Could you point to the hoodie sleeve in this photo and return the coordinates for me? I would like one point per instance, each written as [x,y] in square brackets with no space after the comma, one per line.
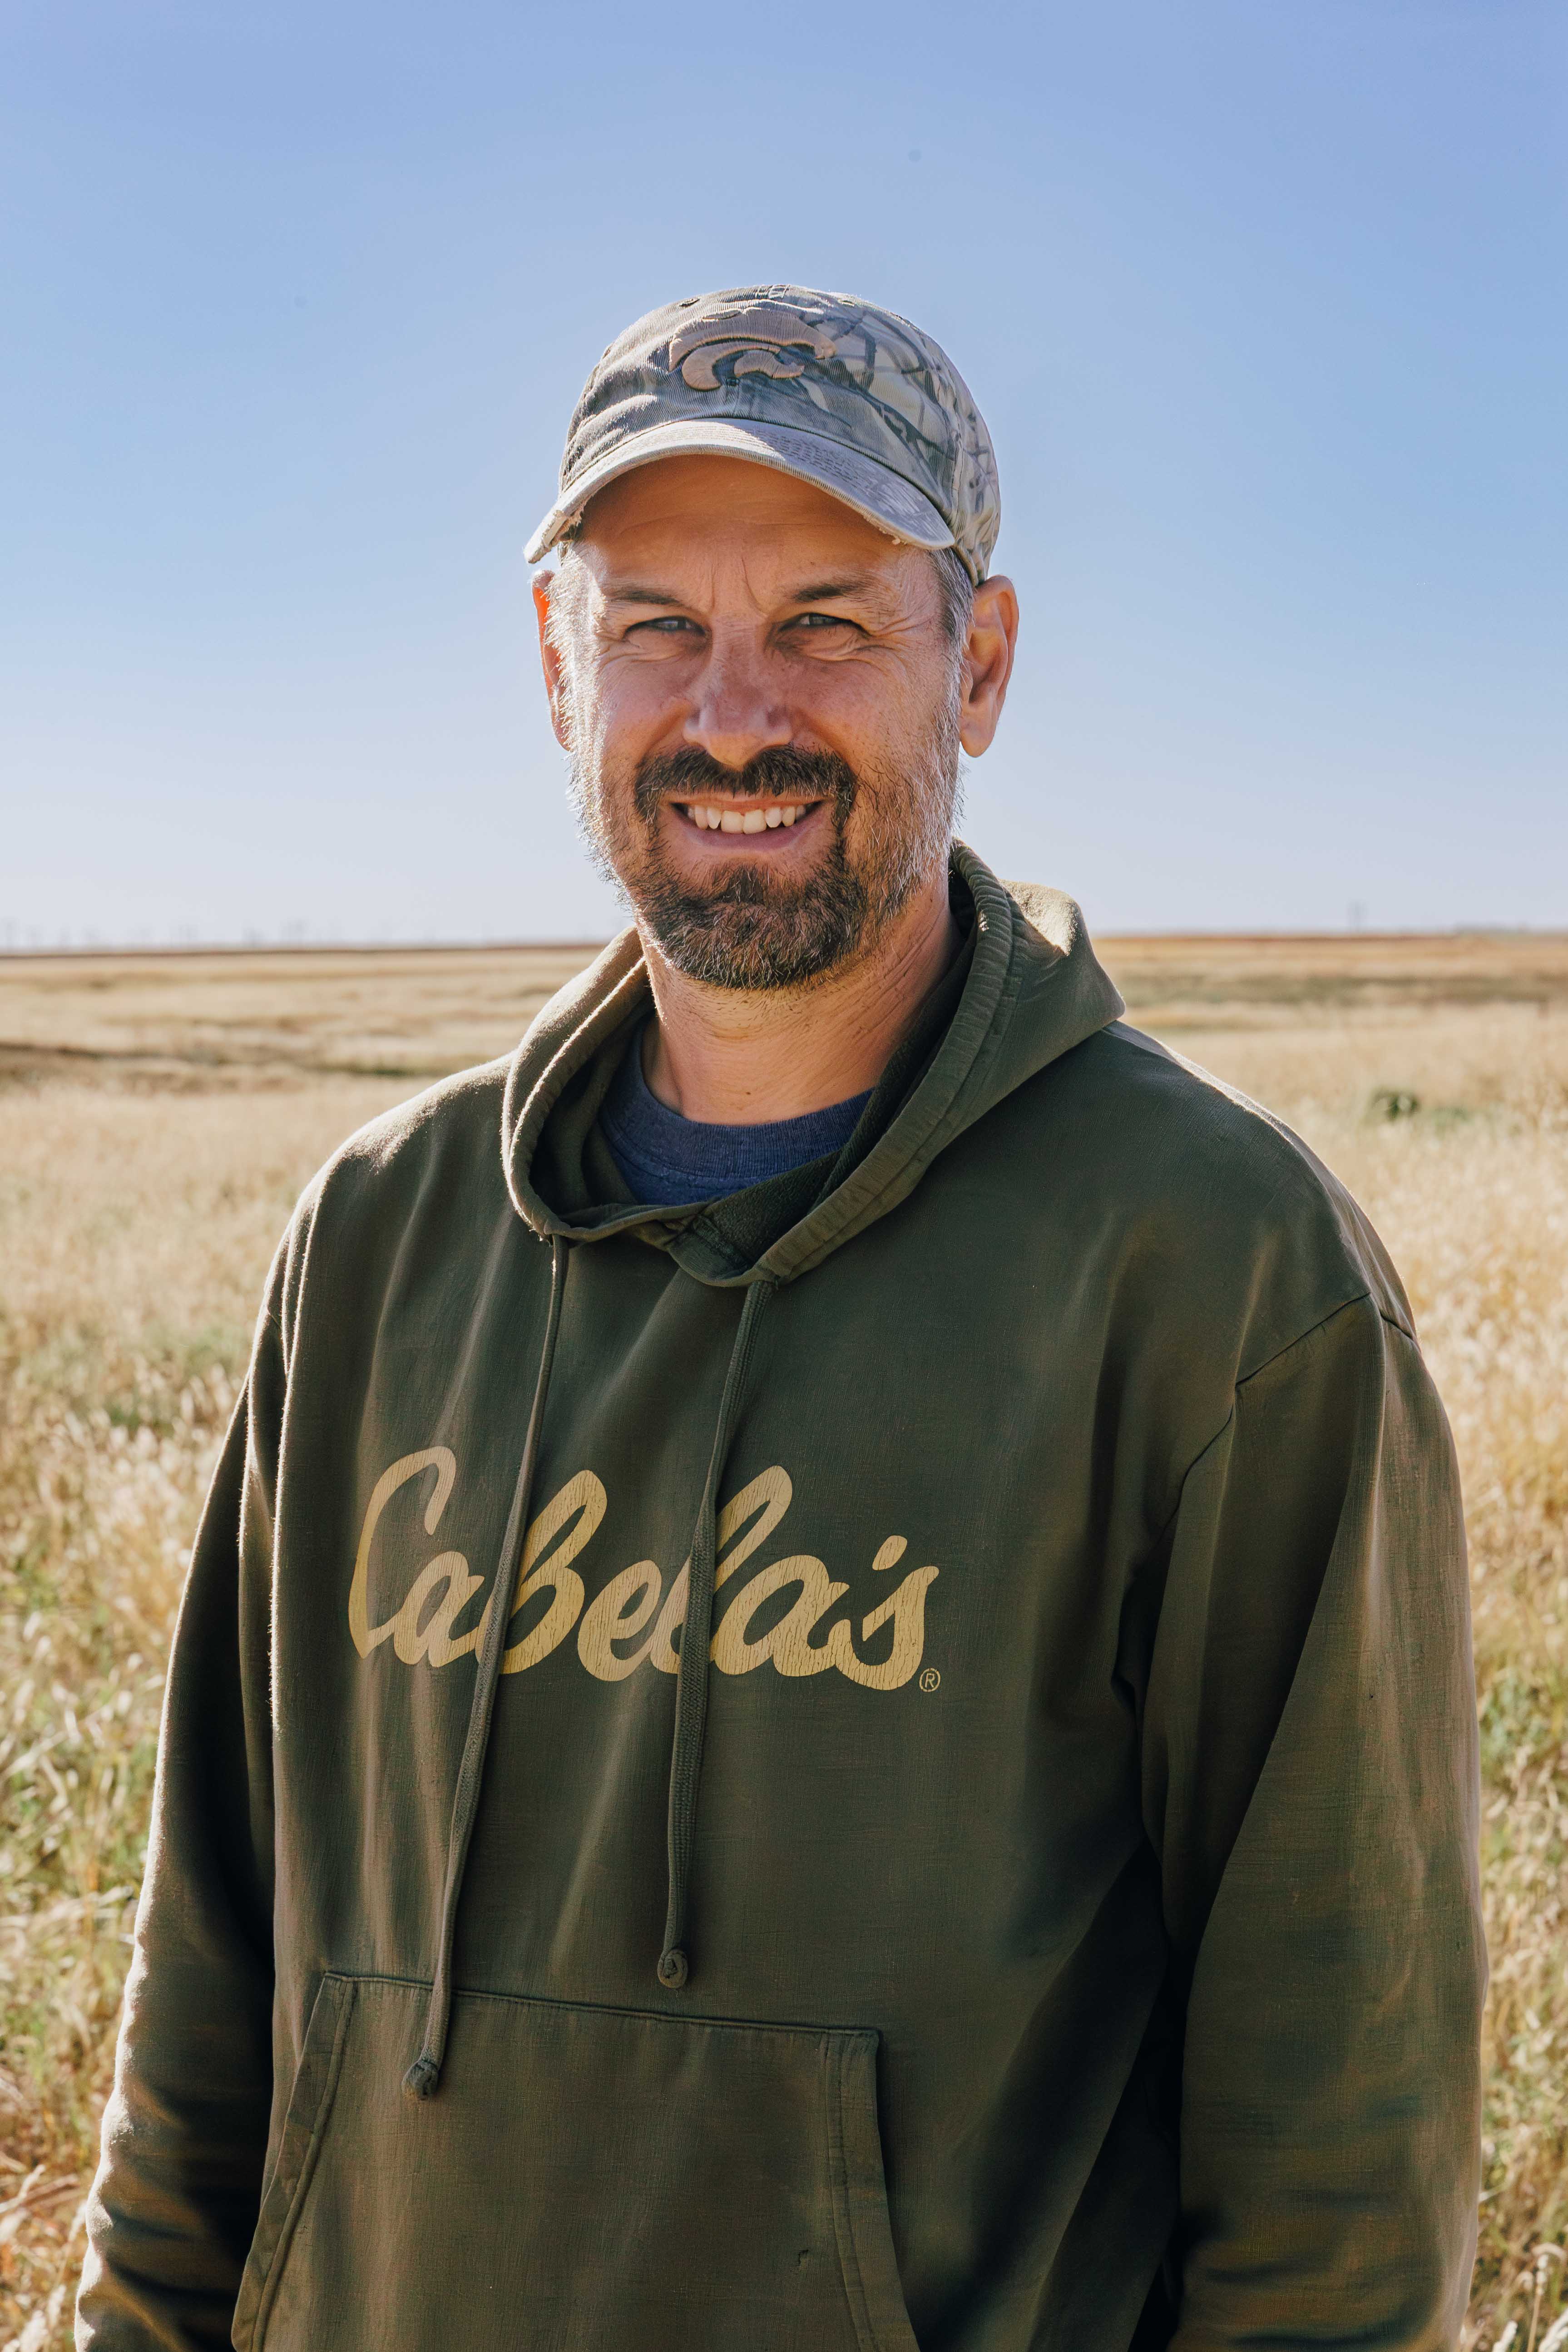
[1310,1785]
[174,2204]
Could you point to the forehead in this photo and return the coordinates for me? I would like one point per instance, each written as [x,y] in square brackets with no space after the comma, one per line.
[697,512]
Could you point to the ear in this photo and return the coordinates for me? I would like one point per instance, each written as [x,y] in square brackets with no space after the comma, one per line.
[551,662]
[987,663]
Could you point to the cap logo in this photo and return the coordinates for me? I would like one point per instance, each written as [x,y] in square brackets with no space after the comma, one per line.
[761,341]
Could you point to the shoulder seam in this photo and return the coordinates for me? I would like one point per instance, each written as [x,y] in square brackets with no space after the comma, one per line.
[1360,1297]
[1355,1299]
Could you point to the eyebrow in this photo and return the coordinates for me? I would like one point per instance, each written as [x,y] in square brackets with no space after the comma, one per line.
[635,594]
[824,592]
[814,592]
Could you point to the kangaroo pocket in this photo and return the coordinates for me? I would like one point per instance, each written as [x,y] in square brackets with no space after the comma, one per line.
[584,2181]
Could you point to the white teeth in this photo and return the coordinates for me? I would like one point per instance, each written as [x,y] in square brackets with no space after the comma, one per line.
[730,820]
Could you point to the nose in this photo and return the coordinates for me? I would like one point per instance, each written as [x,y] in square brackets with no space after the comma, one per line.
[738,710]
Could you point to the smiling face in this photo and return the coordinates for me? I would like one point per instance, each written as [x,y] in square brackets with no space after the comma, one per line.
[762,698]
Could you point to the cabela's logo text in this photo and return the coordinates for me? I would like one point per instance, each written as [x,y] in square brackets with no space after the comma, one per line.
[634,1621]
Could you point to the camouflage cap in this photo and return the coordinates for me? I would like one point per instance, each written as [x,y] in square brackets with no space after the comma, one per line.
[818,385]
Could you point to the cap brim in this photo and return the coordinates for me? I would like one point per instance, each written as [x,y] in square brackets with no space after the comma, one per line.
[874,490]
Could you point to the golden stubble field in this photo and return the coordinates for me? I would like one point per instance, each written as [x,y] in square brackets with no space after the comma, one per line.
[158,1116]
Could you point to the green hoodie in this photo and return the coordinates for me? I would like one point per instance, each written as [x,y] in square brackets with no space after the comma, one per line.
[1050,1917]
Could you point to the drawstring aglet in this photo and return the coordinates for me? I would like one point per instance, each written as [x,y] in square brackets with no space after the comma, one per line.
[423,2079]
[673,1969]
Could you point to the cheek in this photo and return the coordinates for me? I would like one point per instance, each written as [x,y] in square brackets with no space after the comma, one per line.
[607,781]
[623,721]
[848,709]
[874,715]
[628,707]
[905,767]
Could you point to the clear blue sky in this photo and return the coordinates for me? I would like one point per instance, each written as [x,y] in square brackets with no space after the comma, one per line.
[1264,301]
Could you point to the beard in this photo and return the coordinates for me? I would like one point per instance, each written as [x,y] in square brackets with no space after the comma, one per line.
[752,929]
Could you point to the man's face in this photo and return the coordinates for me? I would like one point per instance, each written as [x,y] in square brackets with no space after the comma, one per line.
[760,701]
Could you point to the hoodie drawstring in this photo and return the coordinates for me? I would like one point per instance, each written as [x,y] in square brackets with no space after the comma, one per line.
[696,1633]
[424,2077]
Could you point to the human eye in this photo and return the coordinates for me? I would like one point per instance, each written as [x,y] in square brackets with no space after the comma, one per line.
[821,629]
[666,627]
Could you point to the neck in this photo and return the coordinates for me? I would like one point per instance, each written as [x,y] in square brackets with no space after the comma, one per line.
[737,1057]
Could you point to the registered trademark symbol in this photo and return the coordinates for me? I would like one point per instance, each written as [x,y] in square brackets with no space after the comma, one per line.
[930,1679]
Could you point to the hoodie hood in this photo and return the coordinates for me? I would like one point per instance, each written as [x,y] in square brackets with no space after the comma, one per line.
[1033,991]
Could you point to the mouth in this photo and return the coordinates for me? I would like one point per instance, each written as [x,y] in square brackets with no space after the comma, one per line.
[748,817]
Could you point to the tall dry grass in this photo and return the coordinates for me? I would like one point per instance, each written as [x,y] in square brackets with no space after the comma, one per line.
[1469,1189]
[134,1231]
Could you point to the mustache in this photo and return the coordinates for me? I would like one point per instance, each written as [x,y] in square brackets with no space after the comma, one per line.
[779,773]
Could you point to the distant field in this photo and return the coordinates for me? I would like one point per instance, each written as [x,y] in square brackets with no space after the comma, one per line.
[216,1020]
[272,1016]
[158,1116]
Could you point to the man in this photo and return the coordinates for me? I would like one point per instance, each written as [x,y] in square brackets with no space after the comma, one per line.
[824,1700]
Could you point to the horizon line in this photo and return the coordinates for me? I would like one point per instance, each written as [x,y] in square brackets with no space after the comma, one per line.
[142,950]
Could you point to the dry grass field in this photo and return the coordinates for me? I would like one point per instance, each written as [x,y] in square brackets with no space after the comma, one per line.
[158,1116]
